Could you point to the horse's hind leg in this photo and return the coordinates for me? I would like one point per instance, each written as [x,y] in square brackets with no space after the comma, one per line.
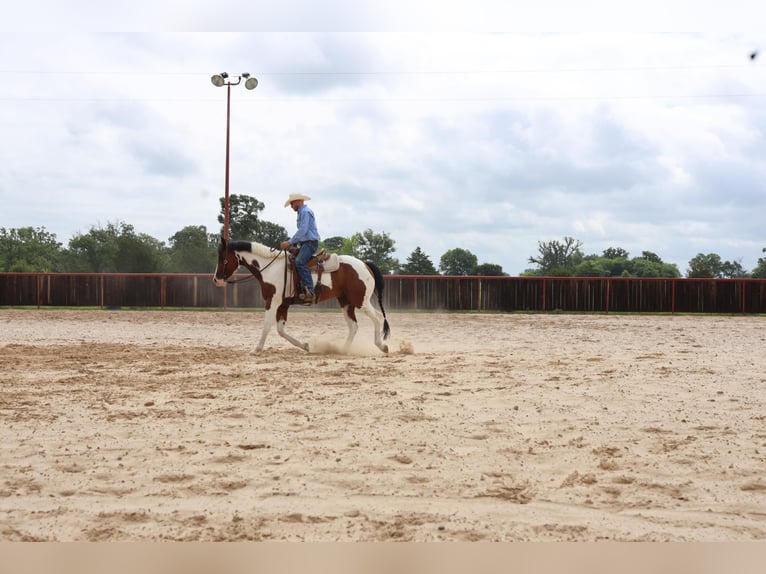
[353,326]
[377,320]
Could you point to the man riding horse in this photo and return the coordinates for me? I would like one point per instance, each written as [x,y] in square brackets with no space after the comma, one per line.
[307,240]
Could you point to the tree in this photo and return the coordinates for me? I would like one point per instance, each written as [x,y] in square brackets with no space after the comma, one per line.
[705,266]
[592,266]
[644,267]
[649,256]
[139,252]
[733,269]
[418,263]
[245,222]
[333,243]
[339,245]
[458,262]
[615,253]
[191,250]
[557,258]
[115,248]
[489,270]
[711,266]
[93,252]
[271,234]
[760,269]
[28,249]
[377,248]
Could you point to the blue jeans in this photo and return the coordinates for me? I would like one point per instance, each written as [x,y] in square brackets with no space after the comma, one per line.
[308,248]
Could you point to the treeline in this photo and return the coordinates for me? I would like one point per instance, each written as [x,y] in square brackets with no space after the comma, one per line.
[118,248]
[566,259]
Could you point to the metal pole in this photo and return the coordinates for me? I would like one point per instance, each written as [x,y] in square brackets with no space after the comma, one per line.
[226,183]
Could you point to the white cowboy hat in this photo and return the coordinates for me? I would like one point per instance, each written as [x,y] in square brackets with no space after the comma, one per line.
[296,197]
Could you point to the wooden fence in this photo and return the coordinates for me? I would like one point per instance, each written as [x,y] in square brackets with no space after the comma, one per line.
[402,292]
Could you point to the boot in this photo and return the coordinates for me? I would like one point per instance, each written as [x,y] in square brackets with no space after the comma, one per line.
[307,296]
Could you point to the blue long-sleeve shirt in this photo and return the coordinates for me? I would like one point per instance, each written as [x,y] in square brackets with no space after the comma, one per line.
[307,226]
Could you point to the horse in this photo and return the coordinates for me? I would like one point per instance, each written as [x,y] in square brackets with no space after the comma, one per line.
[353,284]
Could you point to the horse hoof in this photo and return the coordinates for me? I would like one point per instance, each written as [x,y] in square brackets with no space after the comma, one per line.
[384,348]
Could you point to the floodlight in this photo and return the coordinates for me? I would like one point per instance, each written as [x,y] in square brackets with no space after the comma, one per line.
[251,83]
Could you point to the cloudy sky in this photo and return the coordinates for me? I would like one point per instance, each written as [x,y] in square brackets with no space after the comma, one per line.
[489,128]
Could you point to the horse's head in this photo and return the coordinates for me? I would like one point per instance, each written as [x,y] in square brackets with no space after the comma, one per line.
[228,262]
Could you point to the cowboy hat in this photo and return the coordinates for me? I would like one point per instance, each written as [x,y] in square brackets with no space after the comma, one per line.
[296,197]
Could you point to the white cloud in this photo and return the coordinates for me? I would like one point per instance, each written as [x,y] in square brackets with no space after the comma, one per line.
[490,142]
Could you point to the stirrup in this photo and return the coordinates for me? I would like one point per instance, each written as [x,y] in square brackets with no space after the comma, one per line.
[306,296]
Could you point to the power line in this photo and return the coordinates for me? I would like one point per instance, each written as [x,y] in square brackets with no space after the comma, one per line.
[400,99]
[321,73]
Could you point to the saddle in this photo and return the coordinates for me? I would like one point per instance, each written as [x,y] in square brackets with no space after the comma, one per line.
[320,262]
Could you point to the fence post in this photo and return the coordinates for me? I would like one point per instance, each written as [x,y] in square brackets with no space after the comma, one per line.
[478,304]
[742,282]
[673,297]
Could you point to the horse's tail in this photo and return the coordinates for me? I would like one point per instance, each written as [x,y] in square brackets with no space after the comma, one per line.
[379,286]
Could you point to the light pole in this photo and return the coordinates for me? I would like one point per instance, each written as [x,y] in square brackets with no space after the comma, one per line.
[220,80]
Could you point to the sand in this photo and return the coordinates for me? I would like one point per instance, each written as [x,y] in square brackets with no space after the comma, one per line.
[159,425]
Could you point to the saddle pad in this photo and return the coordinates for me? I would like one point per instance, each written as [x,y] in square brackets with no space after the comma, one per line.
[332,263]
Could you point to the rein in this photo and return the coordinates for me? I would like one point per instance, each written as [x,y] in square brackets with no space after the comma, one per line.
[253,269]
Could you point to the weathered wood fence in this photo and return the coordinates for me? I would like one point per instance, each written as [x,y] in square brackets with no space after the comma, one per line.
[402,292]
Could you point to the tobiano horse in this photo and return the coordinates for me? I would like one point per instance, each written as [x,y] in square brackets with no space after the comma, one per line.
[353,284]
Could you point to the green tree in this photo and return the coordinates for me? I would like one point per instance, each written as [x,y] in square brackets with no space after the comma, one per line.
[271,234]
[649,256]
[711,266]
[592,266]
[418,263]
[733,269]
[489,270]
[93,252]
[558,258]
[643,267]
[759,272]
[139,252]
[377,248]
[245,221]
[615,253]
[190,250]
[340,245]
[116,248]
[705,266]
[333,244]
[458,261]
[28,249]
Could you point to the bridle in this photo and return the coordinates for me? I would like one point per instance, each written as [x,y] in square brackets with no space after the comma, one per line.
[255,270]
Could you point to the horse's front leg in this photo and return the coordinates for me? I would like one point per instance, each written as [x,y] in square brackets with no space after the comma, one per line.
[268,322]
[281,320]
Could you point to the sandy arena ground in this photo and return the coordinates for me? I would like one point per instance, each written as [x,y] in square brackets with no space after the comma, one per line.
[132,425]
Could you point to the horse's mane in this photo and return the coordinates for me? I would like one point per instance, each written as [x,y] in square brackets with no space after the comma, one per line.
[261,250]
[253,247]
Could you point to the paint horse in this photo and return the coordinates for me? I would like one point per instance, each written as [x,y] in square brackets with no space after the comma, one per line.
[353,284]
